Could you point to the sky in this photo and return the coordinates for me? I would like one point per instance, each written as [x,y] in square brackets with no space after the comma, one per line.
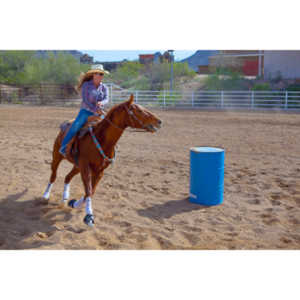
[119,55]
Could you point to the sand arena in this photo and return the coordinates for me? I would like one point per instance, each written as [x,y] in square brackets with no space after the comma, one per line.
[142,200]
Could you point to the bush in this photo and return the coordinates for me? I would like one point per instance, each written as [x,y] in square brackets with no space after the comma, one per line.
[224,79]
[126,72]
[261,87]
[293,87]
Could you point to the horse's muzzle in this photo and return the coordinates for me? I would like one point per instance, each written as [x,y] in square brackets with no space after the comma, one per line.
[154,128]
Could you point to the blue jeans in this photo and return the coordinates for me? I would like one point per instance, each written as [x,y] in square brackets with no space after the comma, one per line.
[80,120]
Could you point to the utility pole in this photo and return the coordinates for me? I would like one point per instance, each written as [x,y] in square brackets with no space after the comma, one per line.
[171,76]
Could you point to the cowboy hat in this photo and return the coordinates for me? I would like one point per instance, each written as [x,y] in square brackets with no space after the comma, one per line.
[97,69]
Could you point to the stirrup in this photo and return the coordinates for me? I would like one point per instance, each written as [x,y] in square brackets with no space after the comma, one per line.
[89,220]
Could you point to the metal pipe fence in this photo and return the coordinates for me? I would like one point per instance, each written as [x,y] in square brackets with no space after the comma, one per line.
[61,95]
[248,100]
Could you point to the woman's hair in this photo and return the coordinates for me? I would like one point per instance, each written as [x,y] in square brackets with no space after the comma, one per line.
[82,79]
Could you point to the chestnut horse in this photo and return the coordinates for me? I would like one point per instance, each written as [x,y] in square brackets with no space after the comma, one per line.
[97,149]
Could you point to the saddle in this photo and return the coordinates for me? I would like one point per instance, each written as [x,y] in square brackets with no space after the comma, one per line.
[72,148]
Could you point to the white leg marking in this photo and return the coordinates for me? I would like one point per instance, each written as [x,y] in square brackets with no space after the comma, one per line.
[48,191]
[66,193]
[88,205]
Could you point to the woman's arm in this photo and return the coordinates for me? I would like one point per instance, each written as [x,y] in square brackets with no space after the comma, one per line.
[105,98]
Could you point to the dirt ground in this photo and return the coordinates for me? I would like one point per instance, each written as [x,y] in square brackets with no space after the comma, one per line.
[142,200]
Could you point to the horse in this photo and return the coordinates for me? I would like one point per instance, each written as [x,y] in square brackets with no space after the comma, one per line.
[93,158]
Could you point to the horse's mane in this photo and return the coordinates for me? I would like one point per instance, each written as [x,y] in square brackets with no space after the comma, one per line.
[102,126]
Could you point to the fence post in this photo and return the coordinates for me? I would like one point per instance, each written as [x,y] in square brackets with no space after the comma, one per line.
[111,93]
[252,100]
[193,99]
[164,98]
[41,95]
[286,100]
[222,99]
[137,96]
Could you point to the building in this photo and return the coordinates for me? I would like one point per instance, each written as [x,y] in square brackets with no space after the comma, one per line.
[86,59]
[247,62]
[281,64]
[146,59]
[156,58]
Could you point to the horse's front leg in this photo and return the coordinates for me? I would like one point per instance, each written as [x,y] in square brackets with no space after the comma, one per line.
[95,180]
[86,176]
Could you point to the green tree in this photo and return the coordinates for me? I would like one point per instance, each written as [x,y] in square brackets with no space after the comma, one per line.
[154,76]
[23,67]
[59,69]
[12,65]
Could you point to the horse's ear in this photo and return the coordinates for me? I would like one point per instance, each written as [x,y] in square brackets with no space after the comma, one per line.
[131,99]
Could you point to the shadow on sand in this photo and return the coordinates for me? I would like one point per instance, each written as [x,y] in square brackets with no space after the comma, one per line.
[170,208]
[21,222]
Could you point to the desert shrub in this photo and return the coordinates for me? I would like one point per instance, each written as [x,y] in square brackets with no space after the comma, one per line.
[293,87]
[224,79]
[261,87]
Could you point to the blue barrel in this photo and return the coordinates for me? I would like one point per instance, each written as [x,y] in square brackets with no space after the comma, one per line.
[206,175]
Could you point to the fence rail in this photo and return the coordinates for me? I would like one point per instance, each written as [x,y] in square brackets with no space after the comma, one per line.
[246,100]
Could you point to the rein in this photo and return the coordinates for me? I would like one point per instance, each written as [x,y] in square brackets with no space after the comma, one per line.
[98,146]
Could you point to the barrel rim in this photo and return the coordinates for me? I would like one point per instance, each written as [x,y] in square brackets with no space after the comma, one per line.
[214,149]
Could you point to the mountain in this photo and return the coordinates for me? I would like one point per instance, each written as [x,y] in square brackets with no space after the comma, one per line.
[199,58]
[44,53]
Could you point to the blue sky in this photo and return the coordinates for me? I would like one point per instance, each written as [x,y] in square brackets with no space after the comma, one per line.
[119,55]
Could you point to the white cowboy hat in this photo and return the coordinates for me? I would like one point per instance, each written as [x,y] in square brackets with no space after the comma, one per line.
[97,69]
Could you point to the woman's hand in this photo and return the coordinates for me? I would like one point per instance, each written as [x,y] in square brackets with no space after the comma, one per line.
[100,105]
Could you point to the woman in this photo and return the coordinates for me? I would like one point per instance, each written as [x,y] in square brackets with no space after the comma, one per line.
[94,97]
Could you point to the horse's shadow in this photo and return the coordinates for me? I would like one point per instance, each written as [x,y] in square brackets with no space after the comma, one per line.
[169,209]
[21,222]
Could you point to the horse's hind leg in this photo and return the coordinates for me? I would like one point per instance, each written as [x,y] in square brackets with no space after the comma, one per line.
[57,158]
[68,178]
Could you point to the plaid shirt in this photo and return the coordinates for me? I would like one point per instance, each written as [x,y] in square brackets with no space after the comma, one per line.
[92,95]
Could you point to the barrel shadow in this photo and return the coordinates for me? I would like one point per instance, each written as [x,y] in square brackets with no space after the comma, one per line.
[170,209]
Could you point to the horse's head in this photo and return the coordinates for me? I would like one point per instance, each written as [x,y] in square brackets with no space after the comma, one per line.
[139,117]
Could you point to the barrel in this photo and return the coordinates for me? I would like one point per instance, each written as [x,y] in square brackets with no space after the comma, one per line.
[206,175]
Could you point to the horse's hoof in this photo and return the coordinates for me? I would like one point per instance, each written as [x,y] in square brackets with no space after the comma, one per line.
[89,220]
[71,203]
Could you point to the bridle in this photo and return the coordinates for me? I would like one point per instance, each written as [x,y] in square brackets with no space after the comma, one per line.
[130,114]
